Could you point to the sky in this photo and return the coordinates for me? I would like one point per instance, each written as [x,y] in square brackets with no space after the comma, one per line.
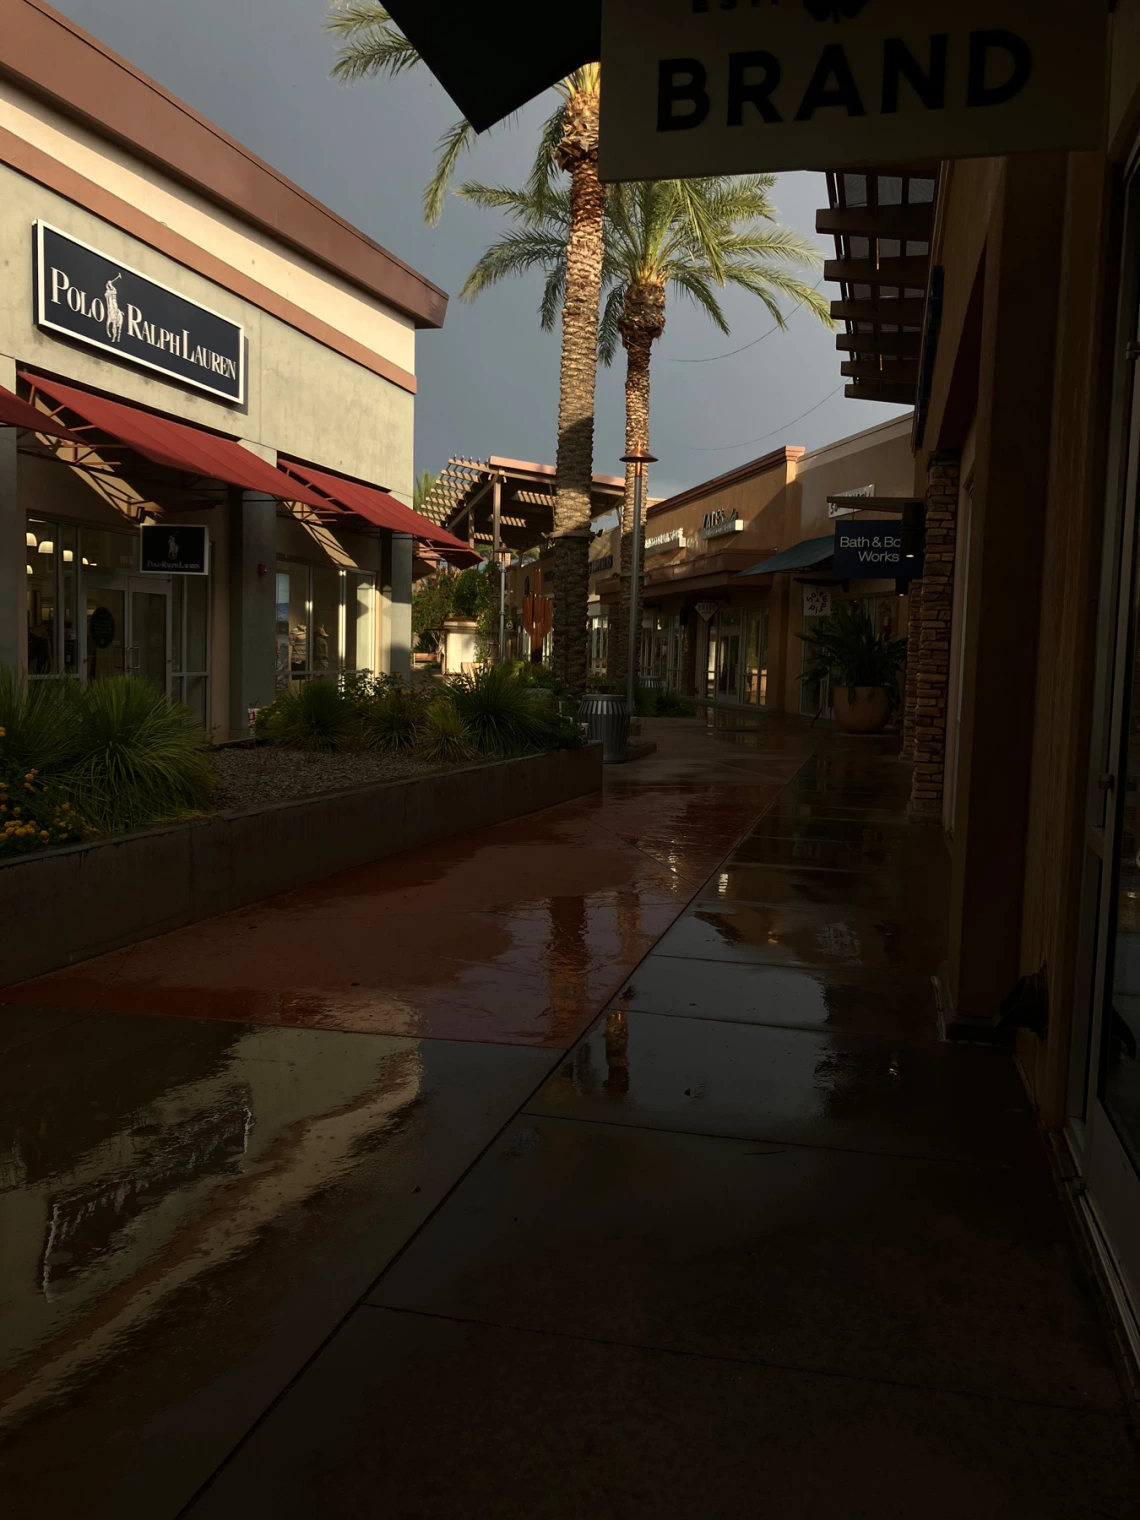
[488,381]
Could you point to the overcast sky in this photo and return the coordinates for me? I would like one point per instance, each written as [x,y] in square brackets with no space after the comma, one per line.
[488,382]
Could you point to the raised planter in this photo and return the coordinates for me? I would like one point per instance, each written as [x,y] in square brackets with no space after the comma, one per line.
[63,906]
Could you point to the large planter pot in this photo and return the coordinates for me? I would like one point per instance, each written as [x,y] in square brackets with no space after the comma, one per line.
[867,714]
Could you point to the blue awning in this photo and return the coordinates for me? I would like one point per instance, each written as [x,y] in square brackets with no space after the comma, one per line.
[805,556]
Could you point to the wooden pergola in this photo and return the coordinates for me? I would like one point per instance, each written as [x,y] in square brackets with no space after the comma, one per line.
[882,221]
[506,503]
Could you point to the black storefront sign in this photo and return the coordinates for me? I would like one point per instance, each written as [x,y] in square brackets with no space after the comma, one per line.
[105,304]
[177,550]
[873,551]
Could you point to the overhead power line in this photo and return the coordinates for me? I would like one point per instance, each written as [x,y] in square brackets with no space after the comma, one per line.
[720,448]
[779,327]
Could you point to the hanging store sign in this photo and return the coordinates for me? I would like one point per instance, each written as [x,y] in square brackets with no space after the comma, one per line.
[177,550]
[698,87]
[102,303]
[817,601]
[708,610]
[838,505]
[716,524]
[873,551]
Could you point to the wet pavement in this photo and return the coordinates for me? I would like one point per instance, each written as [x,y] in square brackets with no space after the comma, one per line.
[603,1164]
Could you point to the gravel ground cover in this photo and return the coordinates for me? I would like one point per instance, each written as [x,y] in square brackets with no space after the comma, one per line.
[250,777]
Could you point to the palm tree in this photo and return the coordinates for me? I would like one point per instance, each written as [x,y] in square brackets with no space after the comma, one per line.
[373,45]
[693,236]
[422,488]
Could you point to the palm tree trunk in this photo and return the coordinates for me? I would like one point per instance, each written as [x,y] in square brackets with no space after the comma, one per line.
[574,466]
[638,346]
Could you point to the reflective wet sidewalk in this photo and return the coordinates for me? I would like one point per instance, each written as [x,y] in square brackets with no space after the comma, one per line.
[531,1223]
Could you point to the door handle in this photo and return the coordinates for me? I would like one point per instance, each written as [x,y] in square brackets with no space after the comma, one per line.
[134,657]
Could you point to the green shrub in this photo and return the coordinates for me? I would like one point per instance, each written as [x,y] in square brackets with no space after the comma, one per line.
[441,735]
[390,721]
[845,650]
[138,759]
[501,716]
[39,721]
[317,716]
[662,704]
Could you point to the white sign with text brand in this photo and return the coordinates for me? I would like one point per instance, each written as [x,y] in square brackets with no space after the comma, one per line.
[696,87]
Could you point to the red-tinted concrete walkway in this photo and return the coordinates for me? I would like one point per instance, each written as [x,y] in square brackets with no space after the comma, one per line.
[515,934]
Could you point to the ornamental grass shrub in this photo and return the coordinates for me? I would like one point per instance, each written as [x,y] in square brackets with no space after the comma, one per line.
[82,760]
[139,759]
[501,715]
[392,720]
[442,737]
[317,716]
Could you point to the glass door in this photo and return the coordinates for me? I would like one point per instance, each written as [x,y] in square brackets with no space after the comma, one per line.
[148,650]
[128,628]
[1104,1127]
[106,629]
[728,661]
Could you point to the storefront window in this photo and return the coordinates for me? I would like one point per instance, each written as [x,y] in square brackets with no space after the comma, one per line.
[325,636]
[756,659]
[325,621]
[43,630]
[190,642]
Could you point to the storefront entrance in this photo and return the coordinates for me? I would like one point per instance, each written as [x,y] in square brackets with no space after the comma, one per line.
[128,627]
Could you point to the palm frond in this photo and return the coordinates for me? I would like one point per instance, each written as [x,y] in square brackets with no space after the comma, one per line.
[516,252]
[373,43]
[451,148]
[609,335]
[553,295]
[544,170]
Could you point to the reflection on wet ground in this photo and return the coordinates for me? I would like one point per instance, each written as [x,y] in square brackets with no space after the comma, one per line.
[535,1219]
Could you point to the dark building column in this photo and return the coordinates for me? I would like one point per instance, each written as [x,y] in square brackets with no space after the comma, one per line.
[13,576]
[929,642]
[253,579]
[1003,600]
[398,599]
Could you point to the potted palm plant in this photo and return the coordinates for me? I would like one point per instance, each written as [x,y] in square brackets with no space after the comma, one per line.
[860,666]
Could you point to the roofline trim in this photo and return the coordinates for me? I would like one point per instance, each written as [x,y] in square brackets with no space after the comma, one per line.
[785,455]
[35,164]
[49,56]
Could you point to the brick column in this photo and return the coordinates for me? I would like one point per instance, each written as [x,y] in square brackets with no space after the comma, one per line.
[910,693]
[932,666]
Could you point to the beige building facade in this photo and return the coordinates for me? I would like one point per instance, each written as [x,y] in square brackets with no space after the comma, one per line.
[131,226]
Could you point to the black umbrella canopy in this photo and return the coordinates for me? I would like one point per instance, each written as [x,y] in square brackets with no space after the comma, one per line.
[492,58]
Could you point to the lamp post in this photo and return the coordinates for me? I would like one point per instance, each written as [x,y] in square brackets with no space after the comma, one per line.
[504,555]
[638,461]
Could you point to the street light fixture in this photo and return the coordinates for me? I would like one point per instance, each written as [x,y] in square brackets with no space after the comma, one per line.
[639,461]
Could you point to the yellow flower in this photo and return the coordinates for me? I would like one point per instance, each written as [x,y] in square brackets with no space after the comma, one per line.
[44,834]
[29,775]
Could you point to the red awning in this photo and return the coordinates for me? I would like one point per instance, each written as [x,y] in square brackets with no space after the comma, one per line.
[176,445]
[22,414]
[385,511]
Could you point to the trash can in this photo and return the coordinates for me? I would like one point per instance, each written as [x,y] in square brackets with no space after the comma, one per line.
[606,717]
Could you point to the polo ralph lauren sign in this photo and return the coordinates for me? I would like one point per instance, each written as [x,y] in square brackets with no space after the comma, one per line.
[104,304]
[696,87]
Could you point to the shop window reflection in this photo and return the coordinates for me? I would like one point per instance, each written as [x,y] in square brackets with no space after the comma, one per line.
[325,622]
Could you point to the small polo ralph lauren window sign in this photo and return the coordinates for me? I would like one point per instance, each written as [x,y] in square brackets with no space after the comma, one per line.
[105,304]
[180,549]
